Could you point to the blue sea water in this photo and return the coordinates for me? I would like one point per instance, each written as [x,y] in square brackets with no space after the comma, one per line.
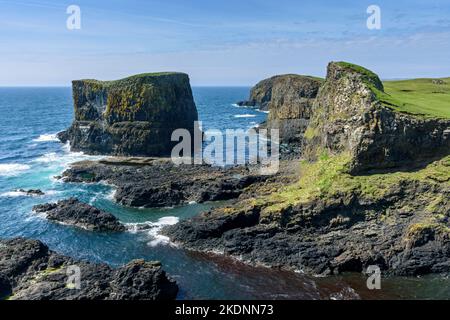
[30,157]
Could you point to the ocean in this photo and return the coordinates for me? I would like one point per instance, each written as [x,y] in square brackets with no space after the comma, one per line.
[31,156]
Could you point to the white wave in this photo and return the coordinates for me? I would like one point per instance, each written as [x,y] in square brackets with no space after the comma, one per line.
[245,116]
[46,138]
[13,169]
[263,111]
[48,158]
[192,202]
[153,229]
[13,194]
[111,195]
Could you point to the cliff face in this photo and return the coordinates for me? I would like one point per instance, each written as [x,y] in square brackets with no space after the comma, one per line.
[336,215]
[289,99]
[133,116]
[349,116]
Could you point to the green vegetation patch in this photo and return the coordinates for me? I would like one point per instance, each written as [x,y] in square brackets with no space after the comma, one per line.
[369,76]
[328,178]
[426,97]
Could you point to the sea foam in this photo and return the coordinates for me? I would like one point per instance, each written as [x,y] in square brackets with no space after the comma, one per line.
[46,137]
[245,116]
[12,169]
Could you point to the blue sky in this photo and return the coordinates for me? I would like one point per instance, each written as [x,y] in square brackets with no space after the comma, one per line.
[226,42]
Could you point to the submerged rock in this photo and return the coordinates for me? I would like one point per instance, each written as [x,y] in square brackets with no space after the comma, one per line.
[30,271]
[32,192]
[132,116]
[82,215]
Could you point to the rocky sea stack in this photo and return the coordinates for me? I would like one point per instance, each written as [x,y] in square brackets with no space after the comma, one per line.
[134,116]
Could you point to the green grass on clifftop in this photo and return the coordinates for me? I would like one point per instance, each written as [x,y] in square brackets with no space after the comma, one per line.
[131,79]
[427,97]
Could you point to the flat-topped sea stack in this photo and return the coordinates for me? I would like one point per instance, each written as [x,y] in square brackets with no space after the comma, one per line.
[134,116]
[289,99]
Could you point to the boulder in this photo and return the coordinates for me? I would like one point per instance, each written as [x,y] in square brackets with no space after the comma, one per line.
[73,212]
[133,116]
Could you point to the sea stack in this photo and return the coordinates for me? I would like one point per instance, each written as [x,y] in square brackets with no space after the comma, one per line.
[134,116]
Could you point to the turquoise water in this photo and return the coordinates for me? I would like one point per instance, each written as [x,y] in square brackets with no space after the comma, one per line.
[30,157]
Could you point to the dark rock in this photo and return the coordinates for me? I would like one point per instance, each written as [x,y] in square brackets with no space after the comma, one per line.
[322,238]
[76,213]
[5,287]
[33,272]
[132,116]
[32,192]
[160,183]
[289,100]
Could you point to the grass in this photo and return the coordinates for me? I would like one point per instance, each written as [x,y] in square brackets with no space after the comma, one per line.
[423,97]
[125,81]
[328,177]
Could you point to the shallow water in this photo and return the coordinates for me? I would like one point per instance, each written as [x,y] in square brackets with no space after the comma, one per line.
[30,157]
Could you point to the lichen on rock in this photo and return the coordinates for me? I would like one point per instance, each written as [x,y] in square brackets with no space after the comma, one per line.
[133,116]
[349,116]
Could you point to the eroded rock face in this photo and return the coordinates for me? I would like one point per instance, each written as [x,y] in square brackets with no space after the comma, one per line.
[405,232]
[349,117]
[30,271]
[289,100]
[132,116]
[73,212]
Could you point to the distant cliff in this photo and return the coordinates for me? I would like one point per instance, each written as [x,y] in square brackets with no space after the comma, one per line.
[289,99]
[133,116]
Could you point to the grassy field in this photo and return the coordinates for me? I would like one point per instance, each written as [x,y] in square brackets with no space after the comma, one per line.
[428,97]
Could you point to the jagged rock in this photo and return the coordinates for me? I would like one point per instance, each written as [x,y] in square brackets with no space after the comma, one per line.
[289,100]
[32,192]
[349,117]
[82,215]
[132,116]
[345,233]
[32,272]
[160,183]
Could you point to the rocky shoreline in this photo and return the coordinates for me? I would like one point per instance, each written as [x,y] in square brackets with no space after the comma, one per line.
[30,271]
[151,182]
[366,185]
[75,213]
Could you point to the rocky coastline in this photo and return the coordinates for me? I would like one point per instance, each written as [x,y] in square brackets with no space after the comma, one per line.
[30,271]
[373,189]
[367,185]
